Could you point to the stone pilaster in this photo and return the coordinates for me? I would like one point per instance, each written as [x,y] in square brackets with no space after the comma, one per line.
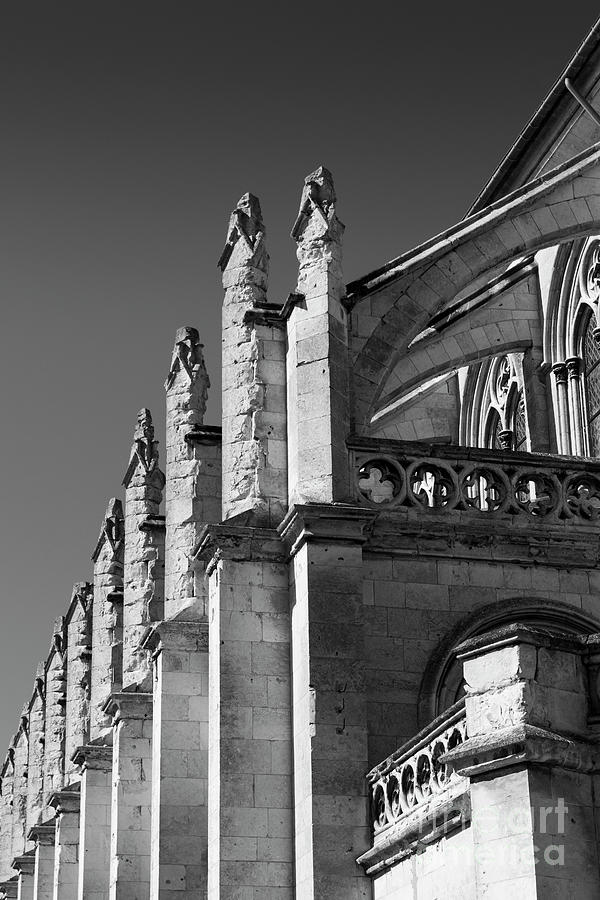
[66,848]
[43,838]
[179,760]
[317,358]
[6,810]
[95,765]
[54,730]
[79,663]
[193,485]
[35,766]
[254,405]
[25,866]
[250,806]
[107,618]
[143,584]
[131,795]
[329,700]
[529,764]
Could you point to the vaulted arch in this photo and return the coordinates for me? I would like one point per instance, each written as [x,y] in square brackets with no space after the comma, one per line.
[405,293]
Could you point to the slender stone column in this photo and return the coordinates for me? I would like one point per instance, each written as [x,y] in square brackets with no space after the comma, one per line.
[54,732]
[143,583]
[66,849]
[250,821]
[560,380]
[574,372]
[35,766]
[43,837]
[254,414]
[131,795]
[193,477]
[6,810]
[179,760]
[95,765]
[107,619]
[79,660]
[25,866]
[317,359]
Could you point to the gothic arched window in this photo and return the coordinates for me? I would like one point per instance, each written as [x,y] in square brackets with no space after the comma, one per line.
[591,367]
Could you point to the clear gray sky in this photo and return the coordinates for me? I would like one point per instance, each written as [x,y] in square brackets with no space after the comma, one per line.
[129,131]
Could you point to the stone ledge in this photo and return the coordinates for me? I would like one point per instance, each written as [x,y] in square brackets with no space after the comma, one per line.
[335,523]
[25,863]
[42,834]
[128,705]
[521,745]
[426,825]
[177,635]
[153,523]
[243,543]
[66,801]
[204,434]
[93,756]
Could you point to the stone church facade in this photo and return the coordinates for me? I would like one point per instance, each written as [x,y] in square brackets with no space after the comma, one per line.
[347,644]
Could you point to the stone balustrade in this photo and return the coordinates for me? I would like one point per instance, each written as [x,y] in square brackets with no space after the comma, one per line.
[391,474]
[416,774]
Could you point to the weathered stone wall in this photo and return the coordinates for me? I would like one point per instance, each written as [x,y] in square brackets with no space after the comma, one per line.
[35,763]
[54,735]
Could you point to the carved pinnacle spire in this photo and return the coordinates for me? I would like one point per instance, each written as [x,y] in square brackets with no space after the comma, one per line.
[144,451]
[317,209]
[187,357]
[246,226]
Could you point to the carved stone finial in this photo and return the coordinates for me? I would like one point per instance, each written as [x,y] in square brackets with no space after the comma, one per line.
[246,226]
[318,204]
[187,356]
[112,529]
[144,452]
[82,593]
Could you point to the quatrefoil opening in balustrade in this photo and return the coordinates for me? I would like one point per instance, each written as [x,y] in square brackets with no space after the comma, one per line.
[379,482]
[582,496]
[484,489]
[537,494]
[432,486]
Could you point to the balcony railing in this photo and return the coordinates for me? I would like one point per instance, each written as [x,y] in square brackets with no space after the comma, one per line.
[416,774]
[441,478]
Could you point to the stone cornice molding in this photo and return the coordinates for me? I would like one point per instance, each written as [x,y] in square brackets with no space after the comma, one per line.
[521,745]
[43,834]
[93,756]
[238,542]
[128,705]
[516,633]
[176,635]
[67,801]
[25,863]
[325,523]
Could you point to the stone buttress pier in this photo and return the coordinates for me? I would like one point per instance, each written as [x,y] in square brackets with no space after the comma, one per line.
[66,847]
[43,838]
[107,619]
[79,666]
[317,355]
[95,767]
[178,646]
[35,764]
[55,730]
[143,583]
[254,414]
